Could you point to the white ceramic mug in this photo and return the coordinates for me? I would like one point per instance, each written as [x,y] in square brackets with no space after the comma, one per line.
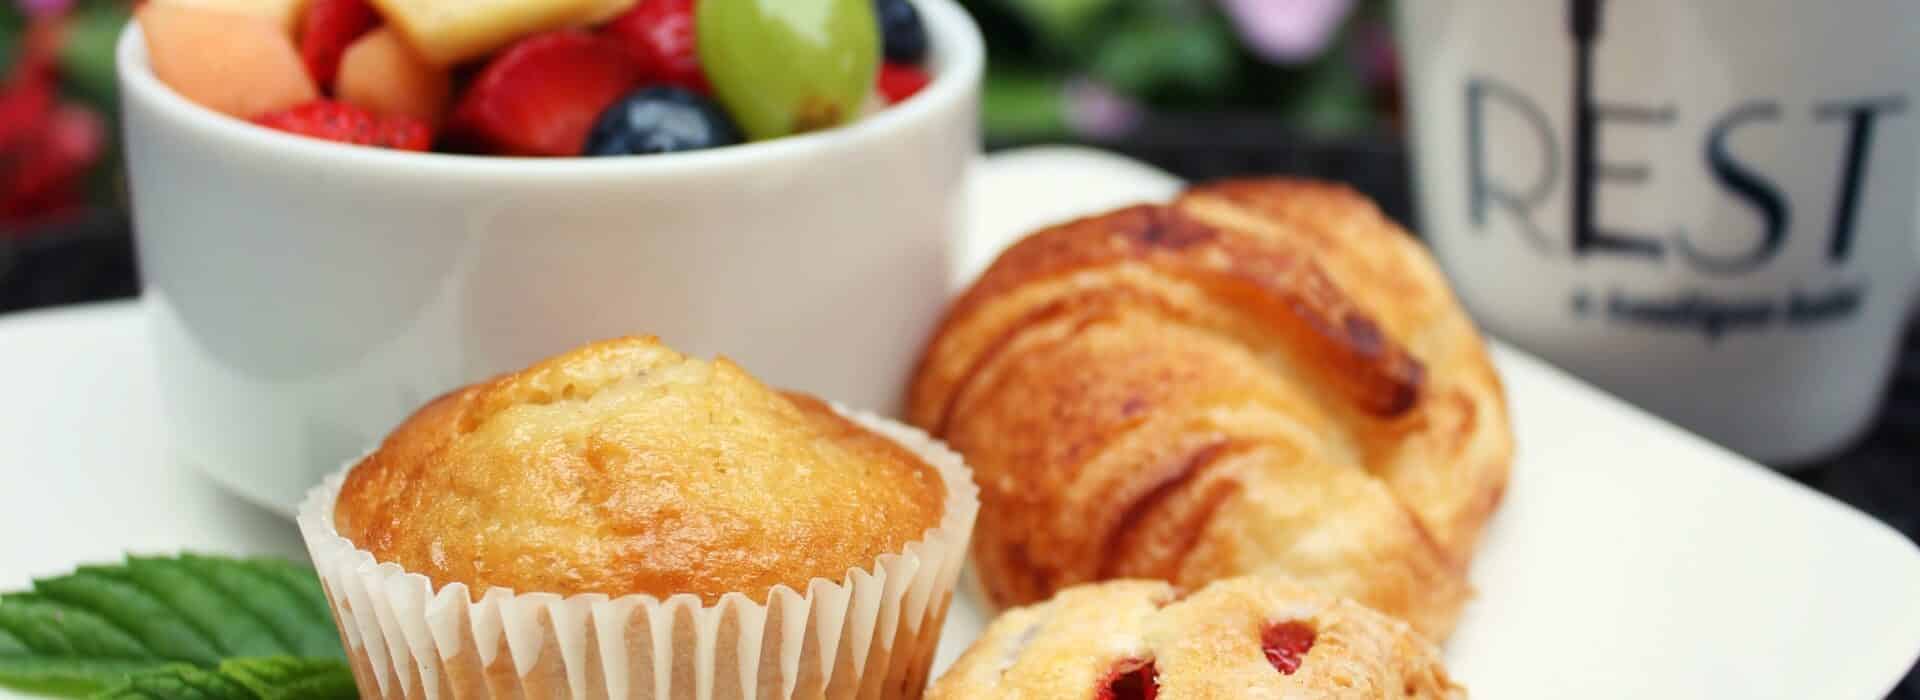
[1706,206]
[305,295]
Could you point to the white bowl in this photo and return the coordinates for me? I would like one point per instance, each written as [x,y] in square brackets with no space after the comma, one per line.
[306,294]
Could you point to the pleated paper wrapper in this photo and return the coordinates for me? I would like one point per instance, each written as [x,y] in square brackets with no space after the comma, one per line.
[870,635]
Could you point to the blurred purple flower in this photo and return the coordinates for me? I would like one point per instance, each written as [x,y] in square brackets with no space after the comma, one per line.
[1093,109]
[1287,31]
[43,8]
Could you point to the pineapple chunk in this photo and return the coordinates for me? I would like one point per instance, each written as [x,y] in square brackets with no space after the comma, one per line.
[450,31]
[284,13]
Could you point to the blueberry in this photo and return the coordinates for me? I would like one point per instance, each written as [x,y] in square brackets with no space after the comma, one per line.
[901,33]
[660,119]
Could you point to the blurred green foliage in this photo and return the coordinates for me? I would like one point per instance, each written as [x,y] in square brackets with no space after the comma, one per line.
[86,56]
[1167,56]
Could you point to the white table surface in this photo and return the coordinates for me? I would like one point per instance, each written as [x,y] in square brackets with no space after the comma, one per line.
[78,391]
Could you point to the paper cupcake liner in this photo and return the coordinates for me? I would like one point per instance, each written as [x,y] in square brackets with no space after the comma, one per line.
[870,635]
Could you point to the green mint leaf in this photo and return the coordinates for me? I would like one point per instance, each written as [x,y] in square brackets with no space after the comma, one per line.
[235,630]
[40,623]
[187,683]
[72,676]
[101,625]
[271,678]
[284,596]
[286,678]
[300,579]
[53,648]
[131,607]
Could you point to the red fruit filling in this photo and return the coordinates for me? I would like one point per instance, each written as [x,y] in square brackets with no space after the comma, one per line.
[1132,679]
[1286,644]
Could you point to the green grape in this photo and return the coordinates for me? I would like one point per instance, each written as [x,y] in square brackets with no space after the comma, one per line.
[786,66]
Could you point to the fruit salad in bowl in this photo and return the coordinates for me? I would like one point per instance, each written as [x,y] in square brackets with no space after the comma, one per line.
[553,78]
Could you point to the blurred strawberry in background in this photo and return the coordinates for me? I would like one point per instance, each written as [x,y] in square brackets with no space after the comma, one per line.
[56,108]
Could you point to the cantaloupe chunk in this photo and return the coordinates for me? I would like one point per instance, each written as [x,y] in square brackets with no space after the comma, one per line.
[238,64]
[384,74]
[285,13]
[450,31]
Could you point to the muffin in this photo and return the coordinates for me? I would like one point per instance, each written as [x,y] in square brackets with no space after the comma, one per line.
[1261,376]
[1249,637]
[625,521]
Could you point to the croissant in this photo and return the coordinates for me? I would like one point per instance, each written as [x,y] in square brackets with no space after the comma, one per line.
[1263,376]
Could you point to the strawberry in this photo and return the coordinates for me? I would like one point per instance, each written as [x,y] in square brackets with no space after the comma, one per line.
[326,30]
[33,181]
[660,34]
[26,104]
[76,135]
[339,121]
[541,95]
[44,175]
[899,81]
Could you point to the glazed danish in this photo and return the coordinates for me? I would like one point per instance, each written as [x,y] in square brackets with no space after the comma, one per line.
[1251,637]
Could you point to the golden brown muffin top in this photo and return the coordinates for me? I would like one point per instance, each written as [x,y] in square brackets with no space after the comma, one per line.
[624,467]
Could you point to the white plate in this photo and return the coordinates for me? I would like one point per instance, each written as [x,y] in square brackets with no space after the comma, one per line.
[1631,559]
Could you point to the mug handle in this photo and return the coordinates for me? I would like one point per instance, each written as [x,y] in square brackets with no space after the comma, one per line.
[1013,193]
[1913,296]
